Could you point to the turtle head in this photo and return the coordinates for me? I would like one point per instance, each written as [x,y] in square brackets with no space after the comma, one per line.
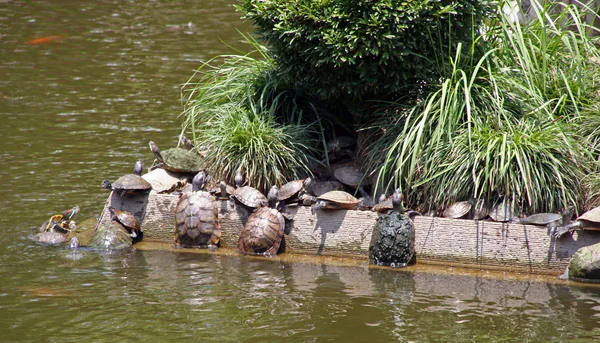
[156,151]
[106,184]
[70,214]
[199,181]
[382,197]
[272,196]
[397,199]
[307,182]
[138,168]
[74,243]
[239,180]
[223,187]
[412,214]
[186,142]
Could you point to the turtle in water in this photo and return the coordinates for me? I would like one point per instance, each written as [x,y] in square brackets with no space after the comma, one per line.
[197,217]
[111,236]
[291,191]
[130,183]
[590,220]
[458,210]
[246,195]
[177,160]
[335,200]
[129,222]
[264,230]
[57,228]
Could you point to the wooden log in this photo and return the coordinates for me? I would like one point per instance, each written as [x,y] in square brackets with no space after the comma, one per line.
[332,232]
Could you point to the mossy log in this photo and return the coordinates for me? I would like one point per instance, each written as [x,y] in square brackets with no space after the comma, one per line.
[333,232]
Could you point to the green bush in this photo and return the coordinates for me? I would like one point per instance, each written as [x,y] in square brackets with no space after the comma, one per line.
[358,47]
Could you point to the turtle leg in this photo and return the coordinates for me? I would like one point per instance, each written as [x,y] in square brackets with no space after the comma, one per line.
[561,230]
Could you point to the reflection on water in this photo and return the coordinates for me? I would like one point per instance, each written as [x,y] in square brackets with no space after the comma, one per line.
[81,108]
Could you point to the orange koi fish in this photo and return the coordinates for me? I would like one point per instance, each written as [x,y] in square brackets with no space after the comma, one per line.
[44,40]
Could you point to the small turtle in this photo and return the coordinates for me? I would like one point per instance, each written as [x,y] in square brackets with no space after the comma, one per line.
[350,176]
[503,212]
[177,160]
[319,188]
[387,205]
[335,200]
[264,230]
[197,217]
[248,196]
[458,210]
[130,183]
[111,236]
[290,191]
[129,222]
[590,220]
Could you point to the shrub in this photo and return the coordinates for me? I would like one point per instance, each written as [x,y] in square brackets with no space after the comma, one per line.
[360,47]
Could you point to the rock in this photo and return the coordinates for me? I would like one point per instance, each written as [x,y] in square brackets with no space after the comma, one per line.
[585,263]
[393,241]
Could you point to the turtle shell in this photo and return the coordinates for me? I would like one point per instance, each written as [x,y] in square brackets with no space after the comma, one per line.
[197,220]
[322,187]
[131,183]
[458,209]
[503,212]
[181,160]
[350,176]
[262,233]
[592,215]
[128,220]
[250,197]
[111,236]
[50,237]
[338,200]
[480,210]
[541,218]
[384,206]
[290,189]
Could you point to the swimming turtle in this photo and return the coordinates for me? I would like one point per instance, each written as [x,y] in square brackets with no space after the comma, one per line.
[350,176]
[130,183]
[590,220]
[197,217]
[503,212]
[57,228]
[290,191]
[264,230]
[248,196]
[177,160]
[458,210]
[335,200]
[110,236]
[129,222]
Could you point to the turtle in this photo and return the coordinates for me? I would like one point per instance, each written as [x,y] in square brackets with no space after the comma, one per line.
[503,212]
[590,220]
[350,176]
[366,200]
[248,196]
[290,191]
[480,210]
[223,192]
[321,187]
[197,217]
[387,205]
[130,183]
[56,230]
[177,160]
[129,222]
[458,210]
[335,200]
[264,230]
[550,220]
[110,236]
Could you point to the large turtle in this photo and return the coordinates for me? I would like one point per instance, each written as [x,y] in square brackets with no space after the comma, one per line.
[291,190]
[350,176]
[130,183]
[111,236]
[248,196]
[590,220]
[56,230]
[197,217]
[264,230]
[458,210]
[335,200]
[129,222]
[177,160]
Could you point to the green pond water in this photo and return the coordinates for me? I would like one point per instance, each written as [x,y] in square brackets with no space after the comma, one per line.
[83,107]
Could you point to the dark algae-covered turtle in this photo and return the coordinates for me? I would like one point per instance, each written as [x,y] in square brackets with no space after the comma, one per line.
[264,230]
[393,240]
[130,183]
[129,222]
[336,200]
[197,217]
[56,230]
[590,220]
[177,160]
[248,196]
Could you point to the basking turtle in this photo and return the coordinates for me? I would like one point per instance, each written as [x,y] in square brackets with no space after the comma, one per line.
[111,236]
[350,176]
[130,183]
[335,200]
[197,217]
[248,196]
[264,230]
[458,210]
[387,205]
[503,212]
[480,210]
[129,222]
[223,192]
[57,228]
[550,220]
[177,160]
[290,191]
[590,220]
